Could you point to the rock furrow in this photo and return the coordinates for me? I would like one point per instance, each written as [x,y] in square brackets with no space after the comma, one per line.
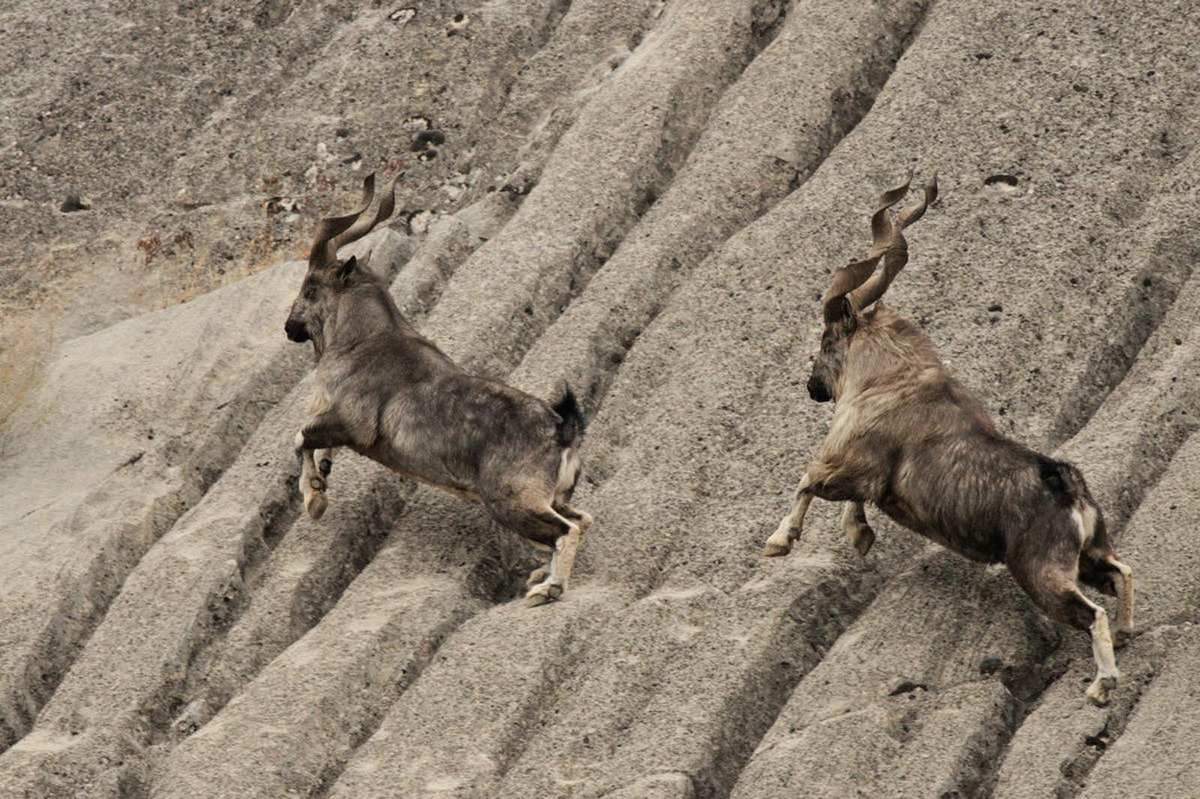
[821,72]
[126,682]
[625,145]
[137,461]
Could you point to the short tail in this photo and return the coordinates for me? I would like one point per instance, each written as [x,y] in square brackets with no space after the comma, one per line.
[1063,479]
[571,419]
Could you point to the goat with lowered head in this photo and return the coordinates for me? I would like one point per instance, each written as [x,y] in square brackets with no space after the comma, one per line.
[387,392]
[910,439]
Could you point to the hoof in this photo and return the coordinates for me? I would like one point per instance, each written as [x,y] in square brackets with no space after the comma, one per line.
[315,504]
[1098,692]
[775,550]
[864,541]
[536,576]
[542,593]
[1121,638]
[326,466]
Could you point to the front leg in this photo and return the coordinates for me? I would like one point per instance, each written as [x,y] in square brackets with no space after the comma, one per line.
[312,483]
[854,523]
[324,459]
[314,445]
[780,542]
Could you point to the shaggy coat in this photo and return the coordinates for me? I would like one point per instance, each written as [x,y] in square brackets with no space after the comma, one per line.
[910,439]
[387,392]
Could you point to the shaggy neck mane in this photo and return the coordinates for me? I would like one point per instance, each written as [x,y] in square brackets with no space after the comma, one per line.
[365,309]
[887,347]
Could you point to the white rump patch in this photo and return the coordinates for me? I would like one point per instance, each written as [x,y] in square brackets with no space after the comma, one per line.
[568,468]
[1085,521]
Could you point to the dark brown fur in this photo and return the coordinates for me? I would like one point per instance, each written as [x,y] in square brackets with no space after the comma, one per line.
[910,439]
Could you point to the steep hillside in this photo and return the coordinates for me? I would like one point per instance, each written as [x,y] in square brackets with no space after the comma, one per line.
[645,199]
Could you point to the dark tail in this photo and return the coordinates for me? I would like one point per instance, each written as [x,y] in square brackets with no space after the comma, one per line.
[572,422]
[1063,480]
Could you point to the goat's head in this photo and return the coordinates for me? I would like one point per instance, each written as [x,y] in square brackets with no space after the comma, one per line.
[327,277]
[857,285]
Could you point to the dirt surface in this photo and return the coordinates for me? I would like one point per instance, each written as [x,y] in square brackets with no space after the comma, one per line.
[646,199]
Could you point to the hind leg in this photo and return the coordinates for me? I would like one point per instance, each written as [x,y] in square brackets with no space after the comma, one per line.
[1124,587]
[537,575]
[1055,592]
[559,529]
[1100,569]
[562,561]
[1107,674]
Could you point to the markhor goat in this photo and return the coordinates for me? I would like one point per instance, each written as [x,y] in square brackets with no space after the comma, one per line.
[909,438]
[387,392]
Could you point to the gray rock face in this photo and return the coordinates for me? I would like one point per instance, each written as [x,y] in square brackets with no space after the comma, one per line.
[646,199]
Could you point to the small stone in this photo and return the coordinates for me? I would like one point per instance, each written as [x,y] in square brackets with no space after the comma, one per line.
[402,16]
[990,665]
[73,203]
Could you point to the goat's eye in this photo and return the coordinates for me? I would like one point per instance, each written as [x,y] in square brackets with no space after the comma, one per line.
[310,293]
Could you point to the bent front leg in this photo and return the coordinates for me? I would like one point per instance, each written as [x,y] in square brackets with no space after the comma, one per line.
[854,523]
[780,542]
[314,444]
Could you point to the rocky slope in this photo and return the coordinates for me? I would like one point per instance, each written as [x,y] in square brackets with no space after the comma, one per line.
[645,199]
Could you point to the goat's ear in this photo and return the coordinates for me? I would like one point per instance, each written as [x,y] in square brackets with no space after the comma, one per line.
[347,268]
[837,310]
[847,310]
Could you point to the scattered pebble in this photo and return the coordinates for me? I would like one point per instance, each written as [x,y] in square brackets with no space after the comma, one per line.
[73,203]
[402,16]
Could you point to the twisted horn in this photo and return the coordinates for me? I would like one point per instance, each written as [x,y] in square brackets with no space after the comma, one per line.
[365,224]
[848,278]
[895,249]
[324,251]
[845,280]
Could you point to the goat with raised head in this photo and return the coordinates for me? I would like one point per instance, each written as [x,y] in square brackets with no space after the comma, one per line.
[909,438]
[387,392]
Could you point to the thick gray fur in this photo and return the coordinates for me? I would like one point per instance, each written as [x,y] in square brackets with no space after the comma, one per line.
[387,392]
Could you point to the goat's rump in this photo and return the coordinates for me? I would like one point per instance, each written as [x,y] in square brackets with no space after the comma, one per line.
[982,495]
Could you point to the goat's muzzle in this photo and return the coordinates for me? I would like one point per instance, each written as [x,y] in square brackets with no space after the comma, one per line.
[296,331]
[818,391]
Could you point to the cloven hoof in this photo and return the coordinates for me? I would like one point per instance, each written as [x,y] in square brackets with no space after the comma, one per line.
[1098,692]
[316,504]
[541,594]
